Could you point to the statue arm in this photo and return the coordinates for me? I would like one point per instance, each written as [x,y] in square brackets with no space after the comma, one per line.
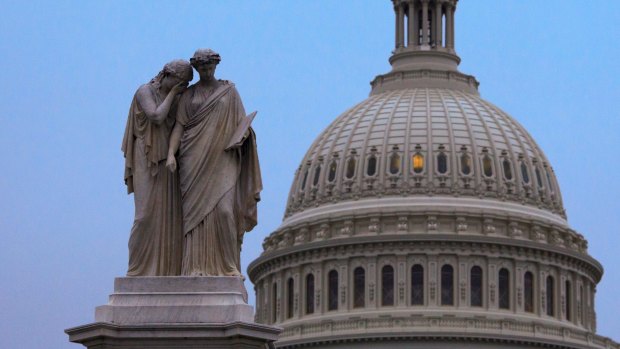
[153,112]
[175,141]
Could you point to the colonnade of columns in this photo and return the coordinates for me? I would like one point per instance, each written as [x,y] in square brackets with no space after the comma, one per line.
[424,21]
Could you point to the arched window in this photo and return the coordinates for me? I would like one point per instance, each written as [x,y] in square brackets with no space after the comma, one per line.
[359,287]
[371,170]
[387,285]
[525,173]
[332,286]
[274,303]
[504,288]
[309,294]
[417,285]
[317,174]
[507,169]
[487,165]
[549,179]
[475,284]
[333,166]
[528,292]
[465,164]
[304,180]
[394,163]
[442,163]
[290,298]
[417,161]
[550,296]
[569,300]
[447,285]
[538,177]
[350,168]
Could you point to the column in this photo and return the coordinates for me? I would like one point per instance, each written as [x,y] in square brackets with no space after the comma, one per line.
[424,22]
[396,27]
[416,26]
[433,38]
[400,26]
[453,9]
[438,25]
[411,27]
[449,23]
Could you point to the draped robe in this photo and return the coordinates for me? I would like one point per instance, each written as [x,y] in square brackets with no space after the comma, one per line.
[155,243]
[220,188]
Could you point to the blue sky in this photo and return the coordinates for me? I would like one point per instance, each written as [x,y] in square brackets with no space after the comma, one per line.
[71,68]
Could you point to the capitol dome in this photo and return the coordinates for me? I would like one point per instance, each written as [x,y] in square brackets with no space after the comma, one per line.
[426,142]
[425,216]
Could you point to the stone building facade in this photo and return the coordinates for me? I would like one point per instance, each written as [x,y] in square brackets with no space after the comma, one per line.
[426,217]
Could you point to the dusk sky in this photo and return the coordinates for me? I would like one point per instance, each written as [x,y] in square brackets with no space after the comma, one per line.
[71,69]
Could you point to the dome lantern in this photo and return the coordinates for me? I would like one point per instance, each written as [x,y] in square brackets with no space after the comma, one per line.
[422,57]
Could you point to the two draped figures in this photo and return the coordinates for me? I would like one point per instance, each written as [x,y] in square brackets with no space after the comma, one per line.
[192,165]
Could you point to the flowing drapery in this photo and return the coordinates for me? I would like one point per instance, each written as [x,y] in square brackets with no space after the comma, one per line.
[155,243]
[219,188]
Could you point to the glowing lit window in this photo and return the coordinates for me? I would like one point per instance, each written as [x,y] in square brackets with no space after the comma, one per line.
[350,168]
[394,163]
[418,163]
[372,165]
[487,166]
[525,173]
[507,169]
[465,164]
[317,174]
[331,176]
[442,163]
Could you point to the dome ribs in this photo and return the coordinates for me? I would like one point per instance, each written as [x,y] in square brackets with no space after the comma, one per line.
[386,148]
[453,147]
[509,146]
[394,97]
[457,122]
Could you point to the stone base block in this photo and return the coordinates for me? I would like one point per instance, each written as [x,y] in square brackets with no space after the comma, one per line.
[175,312]
[166,336]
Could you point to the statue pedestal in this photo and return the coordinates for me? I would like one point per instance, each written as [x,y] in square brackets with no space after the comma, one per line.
[175,312]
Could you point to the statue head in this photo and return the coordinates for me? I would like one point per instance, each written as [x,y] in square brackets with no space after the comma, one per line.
[174,72]
[204,61]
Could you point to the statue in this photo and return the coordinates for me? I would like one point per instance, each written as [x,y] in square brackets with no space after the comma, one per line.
[155,244]
[218,170]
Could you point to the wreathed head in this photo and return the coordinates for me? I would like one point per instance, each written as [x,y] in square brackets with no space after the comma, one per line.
[205,56]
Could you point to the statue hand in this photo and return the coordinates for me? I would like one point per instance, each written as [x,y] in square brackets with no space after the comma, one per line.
[178,88]
[171,163]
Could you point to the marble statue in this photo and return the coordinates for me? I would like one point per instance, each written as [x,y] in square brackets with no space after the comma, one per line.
[156,240]
[218,170]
